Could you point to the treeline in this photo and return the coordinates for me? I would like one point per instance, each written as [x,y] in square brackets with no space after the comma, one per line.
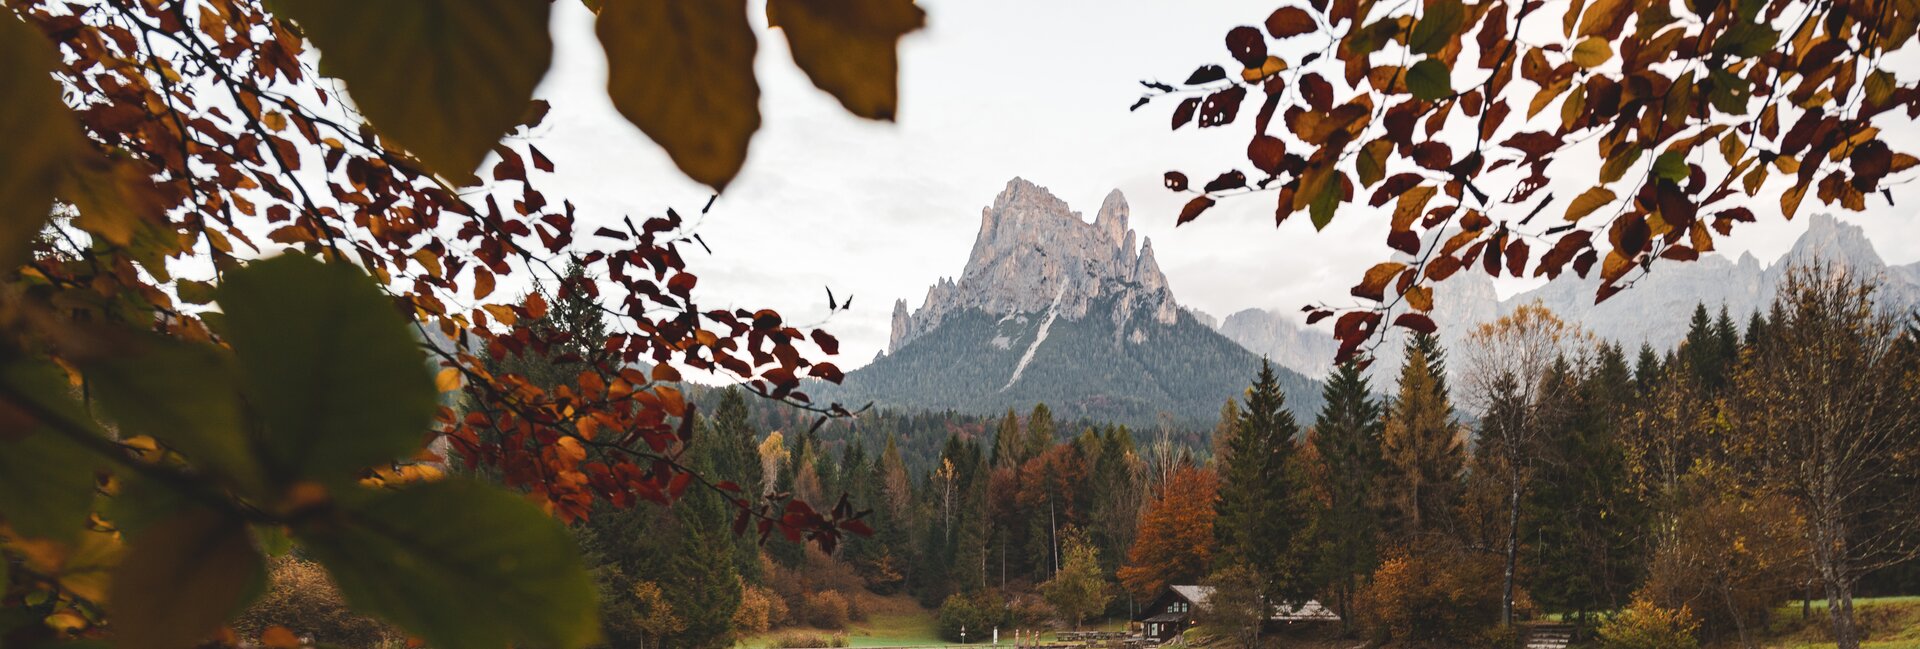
[1679,496]
[1665,498]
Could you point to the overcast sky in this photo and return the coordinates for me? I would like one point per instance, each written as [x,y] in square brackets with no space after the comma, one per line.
[992,89]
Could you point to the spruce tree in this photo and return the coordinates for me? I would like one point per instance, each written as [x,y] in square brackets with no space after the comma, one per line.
[1646,371]
[1262,518]
[1009,446]
[1347,434]
[1040,430]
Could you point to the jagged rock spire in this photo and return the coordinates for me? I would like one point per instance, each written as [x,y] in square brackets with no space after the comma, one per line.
[1034,254]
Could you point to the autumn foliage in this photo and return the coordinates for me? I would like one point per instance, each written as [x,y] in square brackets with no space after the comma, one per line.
[174,168]
[1175,543]
[1477,125]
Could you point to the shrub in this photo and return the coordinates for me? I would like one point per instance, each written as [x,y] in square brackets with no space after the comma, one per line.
[826,609]
[1729,560]
[977,613]
[757,608]
[1441,595]
[1645,625]
[809,640]
[300,597]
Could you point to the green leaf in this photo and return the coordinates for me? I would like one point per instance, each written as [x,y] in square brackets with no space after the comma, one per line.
[1322,208]
[1436,27]
[1731,93]
[40,135]
[1745,39]
[460,564]
[194,292]
[1592,52]
[1430,79]
[46,479]
[1372,161]
[683,73]
[183,395]
[329,365]
[1616,166]
[1670,166]
[182,578]
[444,78]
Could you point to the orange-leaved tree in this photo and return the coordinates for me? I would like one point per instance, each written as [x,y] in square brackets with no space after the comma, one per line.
[176,401]
[1524,138]
[1175,543]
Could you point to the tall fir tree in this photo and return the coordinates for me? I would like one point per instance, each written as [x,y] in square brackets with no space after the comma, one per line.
[1646,371]
[1347,436]
[1009,445]
[1586,522]
[1040,430]
[737,458]
[1263,516]
[1423,454]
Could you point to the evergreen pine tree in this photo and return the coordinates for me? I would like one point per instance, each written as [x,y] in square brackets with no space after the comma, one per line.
[1646,371]
[1040,430]
[1009,446]
[1347,435]
[1262,518]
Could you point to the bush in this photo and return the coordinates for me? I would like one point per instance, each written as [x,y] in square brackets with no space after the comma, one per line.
[826,609]
[760,609]
[1438,595]
[809,640]
[1645,625]
[302,598]
[977,613]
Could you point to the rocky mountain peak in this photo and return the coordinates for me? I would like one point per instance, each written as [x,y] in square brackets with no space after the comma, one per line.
[1034,254]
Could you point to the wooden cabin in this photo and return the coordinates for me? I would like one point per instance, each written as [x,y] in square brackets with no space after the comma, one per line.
[1174,610]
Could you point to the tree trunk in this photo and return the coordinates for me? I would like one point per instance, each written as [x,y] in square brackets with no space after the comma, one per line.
[1513,552]
[1739,621]
[1846,635]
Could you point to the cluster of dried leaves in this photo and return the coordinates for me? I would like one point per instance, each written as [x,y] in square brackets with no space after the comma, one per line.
[156,147]
[1689,108]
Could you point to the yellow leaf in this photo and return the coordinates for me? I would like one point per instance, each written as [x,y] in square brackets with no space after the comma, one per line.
[1272,66]
[66,622]
[1588,201]
[40,135]
[1790,201]
[1592,52]
[1546,96]
[502,313]
[1573,108]
[1420,297]
[1374,285]
[847,47]
[443,78]
[448,380]
[683,73]
[1409,206]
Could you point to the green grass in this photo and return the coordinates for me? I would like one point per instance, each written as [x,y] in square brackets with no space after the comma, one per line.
[1887,623]
[915,629]
[905,629]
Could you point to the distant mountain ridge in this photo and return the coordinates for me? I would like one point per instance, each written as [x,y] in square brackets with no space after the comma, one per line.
[1654,311]
[1052,308]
